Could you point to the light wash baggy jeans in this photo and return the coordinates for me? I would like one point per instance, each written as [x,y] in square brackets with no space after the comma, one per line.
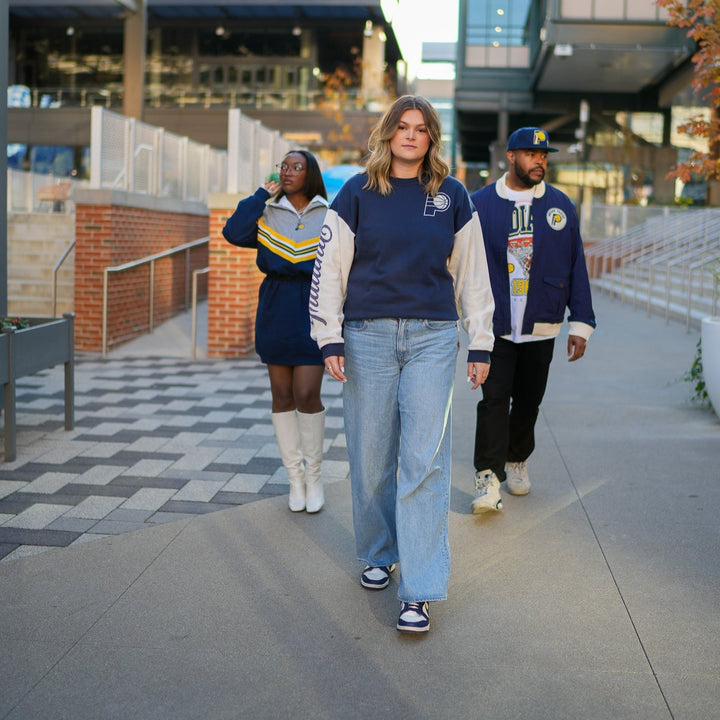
[397,408]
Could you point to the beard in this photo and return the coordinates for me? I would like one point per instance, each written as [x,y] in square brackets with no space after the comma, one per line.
[525,178]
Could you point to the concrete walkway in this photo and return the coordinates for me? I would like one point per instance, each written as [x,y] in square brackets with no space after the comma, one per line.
[595,597]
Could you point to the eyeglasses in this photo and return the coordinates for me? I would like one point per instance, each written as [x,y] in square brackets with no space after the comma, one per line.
[284,167]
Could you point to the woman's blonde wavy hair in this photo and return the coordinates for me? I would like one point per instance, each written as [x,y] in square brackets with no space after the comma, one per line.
[433,169]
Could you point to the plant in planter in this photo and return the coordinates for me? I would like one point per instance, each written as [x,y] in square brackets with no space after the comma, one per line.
[15,322]
[695,376]
[704,373]
[709,351]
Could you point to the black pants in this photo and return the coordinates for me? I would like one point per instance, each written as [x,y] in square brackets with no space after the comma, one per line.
[505,432]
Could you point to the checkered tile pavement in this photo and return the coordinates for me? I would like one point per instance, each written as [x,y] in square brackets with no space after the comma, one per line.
[155,440]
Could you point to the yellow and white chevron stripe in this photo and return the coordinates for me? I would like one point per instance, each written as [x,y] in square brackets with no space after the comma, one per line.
[294,251]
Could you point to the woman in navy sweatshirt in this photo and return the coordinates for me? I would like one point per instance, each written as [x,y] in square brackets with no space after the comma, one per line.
[400,253]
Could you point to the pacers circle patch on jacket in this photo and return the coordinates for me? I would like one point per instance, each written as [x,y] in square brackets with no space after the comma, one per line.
[556,218]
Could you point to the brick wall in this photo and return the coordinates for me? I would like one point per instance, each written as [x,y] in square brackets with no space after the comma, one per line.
[232,288]
[109,233]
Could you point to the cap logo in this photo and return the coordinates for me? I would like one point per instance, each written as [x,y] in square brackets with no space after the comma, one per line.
[530,138]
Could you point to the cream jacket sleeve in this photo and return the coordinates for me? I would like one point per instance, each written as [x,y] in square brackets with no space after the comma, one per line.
[329,283]
[468,266]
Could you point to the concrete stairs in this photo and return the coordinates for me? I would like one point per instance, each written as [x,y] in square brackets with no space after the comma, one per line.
[36,241]
[667,292]
[665,265]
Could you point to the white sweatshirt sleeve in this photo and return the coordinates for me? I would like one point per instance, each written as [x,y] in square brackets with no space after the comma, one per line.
[473,294]
[329,281]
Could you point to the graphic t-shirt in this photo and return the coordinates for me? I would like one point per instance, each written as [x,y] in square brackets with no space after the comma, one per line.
[520,251]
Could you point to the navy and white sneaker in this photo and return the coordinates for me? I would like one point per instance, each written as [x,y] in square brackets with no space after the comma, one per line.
[414,617]
[376,578]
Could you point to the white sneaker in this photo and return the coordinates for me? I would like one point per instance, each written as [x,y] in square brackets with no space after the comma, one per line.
[487,492]
[517,481]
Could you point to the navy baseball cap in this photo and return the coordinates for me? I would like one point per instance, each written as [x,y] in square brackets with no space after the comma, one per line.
[529,138]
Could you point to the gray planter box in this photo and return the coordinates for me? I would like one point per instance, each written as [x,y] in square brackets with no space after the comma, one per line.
[46,343]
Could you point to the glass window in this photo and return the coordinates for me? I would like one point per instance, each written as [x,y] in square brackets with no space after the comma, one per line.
[495,30]
[228,39]
[79,57]
[497,21]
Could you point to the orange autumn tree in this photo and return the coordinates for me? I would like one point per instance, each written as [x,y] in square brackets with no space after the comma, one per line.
[702,18]
[337,89]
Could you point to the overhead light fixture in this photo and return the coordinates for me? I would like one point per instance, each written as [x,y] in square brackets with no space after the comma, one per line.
[70,30]
[500,11]
[297,31]
[498,29]
[584,111]
[368,28]
[563,50]
[219,30]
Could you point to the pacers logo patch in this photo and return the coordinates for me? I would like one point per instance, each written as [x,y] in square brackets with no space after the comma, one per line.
[556,218]
[436,203]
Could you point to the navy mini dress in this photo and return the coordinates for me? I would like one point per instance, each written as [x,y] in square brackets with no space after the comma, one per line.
[286,243]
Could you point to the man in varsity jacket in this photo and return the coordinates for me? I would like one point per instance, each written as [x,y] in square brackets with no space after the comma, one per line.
[537,270]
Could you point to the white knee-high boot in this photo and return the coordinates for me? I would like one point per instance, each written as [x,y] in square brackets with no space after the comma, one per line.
[312,435]
[287,434]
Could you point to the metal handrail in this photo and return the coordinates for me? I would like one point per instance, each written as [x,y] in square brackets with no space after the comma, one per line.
[193,334]
[657,245]
[684,260]
[56,268]
[604,255]
[674,259]
[703,264]
[186,247]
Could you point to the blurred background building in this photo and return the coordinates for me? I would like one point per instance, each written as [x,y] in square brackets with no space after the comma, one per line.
[319,71]
[609,80]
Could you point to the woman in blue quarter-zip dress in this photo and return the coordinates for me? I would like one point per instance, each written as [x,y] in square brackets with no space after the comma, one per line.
[282,220]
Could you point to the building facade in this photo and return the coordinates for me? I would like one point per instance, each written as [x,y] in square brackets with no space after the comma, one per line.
[319,71]
[602,76]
